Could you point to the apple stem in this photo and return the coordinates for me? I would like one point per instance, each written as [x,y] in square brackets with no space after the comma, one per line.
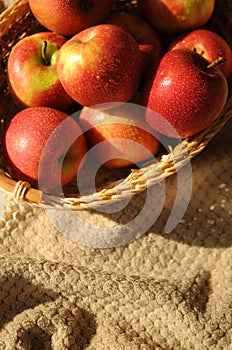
[215,63]
[44,56]
[200,53]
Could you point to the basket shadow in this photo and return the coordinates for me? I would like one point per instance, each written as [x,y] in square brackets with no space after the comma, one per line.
[206,220]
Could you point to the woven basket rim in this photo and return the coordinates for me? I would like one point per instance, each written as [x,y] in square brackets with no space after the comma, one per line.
[22,190]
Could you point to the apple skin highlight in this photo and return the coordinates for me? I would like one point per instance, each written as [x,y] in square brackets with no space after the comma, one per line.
[100,64]
[32,78]
[148,40]
[123,136]
[42,143]
[208,44]
[70,17]
[176,16]
[185,93]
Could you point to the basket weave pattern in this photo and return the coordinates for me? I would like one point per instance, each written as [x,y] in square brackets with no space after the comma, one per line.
[15,23]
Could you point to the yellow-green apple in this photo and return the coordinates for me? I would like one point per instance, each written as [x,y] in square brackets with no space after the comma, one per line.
[121,133]
[42,143]
[147,38]
[177,16]
[100,64]
[208,44]
[31,71]
[186,93]
[68,17]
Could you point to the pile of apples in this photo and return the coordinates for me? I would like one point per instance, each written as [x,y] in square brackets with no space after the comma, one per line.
[101,63]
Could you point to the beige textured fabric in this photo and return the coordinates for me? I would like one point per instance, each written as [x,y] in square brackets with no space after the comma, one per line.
[162,291]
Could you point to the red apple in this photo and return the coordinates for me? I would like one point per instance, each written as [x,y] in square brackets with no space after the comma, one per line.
[147,38]
[31,71]
[184,92]
[70,17]
[208,44]
[122,134]
[42,143]
[176,16]
[100,64]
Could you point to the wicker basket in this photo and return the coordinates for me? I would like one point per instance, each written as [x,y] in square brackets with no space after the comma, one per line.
[15,23]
